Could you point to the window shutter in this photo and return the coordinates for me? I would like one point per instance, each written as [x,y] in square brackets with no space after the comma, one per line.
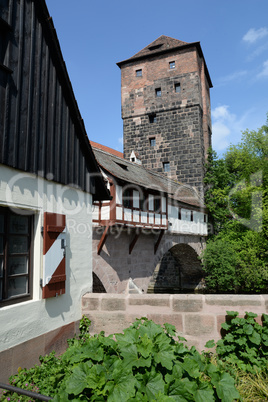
[54,242]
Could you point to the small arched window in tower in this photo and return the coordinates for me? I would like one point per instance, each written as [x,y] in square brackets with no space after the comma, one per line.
[166,166]
[177,87]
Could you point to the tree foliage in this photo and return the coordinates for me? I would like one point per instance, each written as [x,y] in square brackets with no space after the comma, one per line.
[236,256]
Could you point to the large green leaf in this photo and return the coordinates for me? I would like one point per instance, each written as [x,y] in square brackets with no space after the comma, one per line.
[191,366]
[182,389]
[123,386]
[154,384]
[204,394]
[145,346]
[165,358]
[78,379]
[255,338]
[133,359]
[225,387]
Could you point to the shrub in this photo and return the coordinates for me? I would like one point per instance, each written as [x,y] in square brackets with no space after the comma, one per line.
[146,362]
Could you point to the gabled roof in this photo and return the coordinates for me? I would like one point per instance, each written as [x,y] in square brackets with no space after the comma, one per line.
[165,44]
[137,175]
[159,45]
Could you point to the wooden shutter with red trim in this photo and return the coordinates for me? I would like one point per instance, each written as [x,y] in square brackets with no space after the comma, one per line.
[54,242]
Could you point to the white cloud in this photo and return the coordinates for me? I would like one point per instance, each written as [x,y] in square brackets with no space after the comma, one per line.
[227,127]
[255,34]
[221,127]
[264,72]
[120,140]
[258,51]
[236,76]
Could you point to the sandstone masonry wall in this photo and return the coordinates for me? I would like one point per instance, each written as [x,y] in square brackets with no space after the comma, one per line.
[196,317]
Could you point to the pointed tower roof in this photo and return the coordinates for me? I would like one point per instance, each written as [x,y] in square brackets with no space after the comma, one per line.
[161,44]
[165,44]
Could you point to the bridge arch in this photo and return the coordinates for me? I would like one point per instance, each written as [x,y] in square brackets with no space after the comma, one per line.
[178,270]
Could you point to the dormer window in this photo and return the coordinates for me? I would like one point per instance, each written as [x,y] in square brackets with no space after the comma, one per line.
[154,47]
[134,157]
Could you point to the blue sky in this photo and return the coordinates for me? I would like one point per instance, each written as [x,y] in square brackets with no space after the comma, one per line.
[94,35]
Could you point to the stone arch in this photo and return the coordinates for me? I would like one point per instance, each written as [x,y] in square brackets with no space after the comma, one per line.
[178,270]
[97,285]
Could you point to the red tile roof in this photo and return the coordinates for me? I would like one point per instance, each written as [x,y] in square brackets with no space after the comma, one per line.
[106,149]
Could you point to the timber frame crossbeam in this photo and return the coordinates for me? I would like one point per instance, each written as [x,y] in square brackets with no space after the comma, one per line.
[161,234]
[103,239]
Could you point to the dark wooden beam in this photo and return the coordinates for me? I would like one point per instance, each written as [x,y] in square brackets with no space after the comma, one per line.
[134,241]
[158,241]
[103,239]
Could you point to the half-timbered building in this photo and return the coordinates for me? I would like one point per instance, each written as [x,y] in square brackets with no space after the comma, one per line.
[131,231]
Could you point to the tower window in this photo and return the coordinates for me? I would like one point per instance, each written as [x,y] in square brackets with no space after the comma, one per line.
[152,142]
[192,216]
[152,118]
[178,88]
[139,73]
[166,166]
[171,65]
[179,214]
[158,92]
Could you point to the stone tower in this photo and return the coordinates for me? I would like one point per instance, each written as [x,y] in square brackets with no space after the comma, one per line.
[166,108]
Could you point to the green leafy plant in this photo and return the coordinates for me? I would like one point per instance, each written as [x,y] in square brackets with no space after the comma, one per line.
[146,362]
[244,347]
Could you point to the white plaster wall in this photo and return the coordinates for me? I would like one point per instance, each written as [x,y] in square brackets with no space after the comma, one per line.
[23,321]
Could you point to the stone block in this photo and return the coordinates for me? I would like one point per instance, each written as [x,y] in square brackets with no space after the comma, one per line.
[173,319]
[187,303]
[198,325]
[234,300]
[113,303]
[91,302]
[149,300]
[110,323]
